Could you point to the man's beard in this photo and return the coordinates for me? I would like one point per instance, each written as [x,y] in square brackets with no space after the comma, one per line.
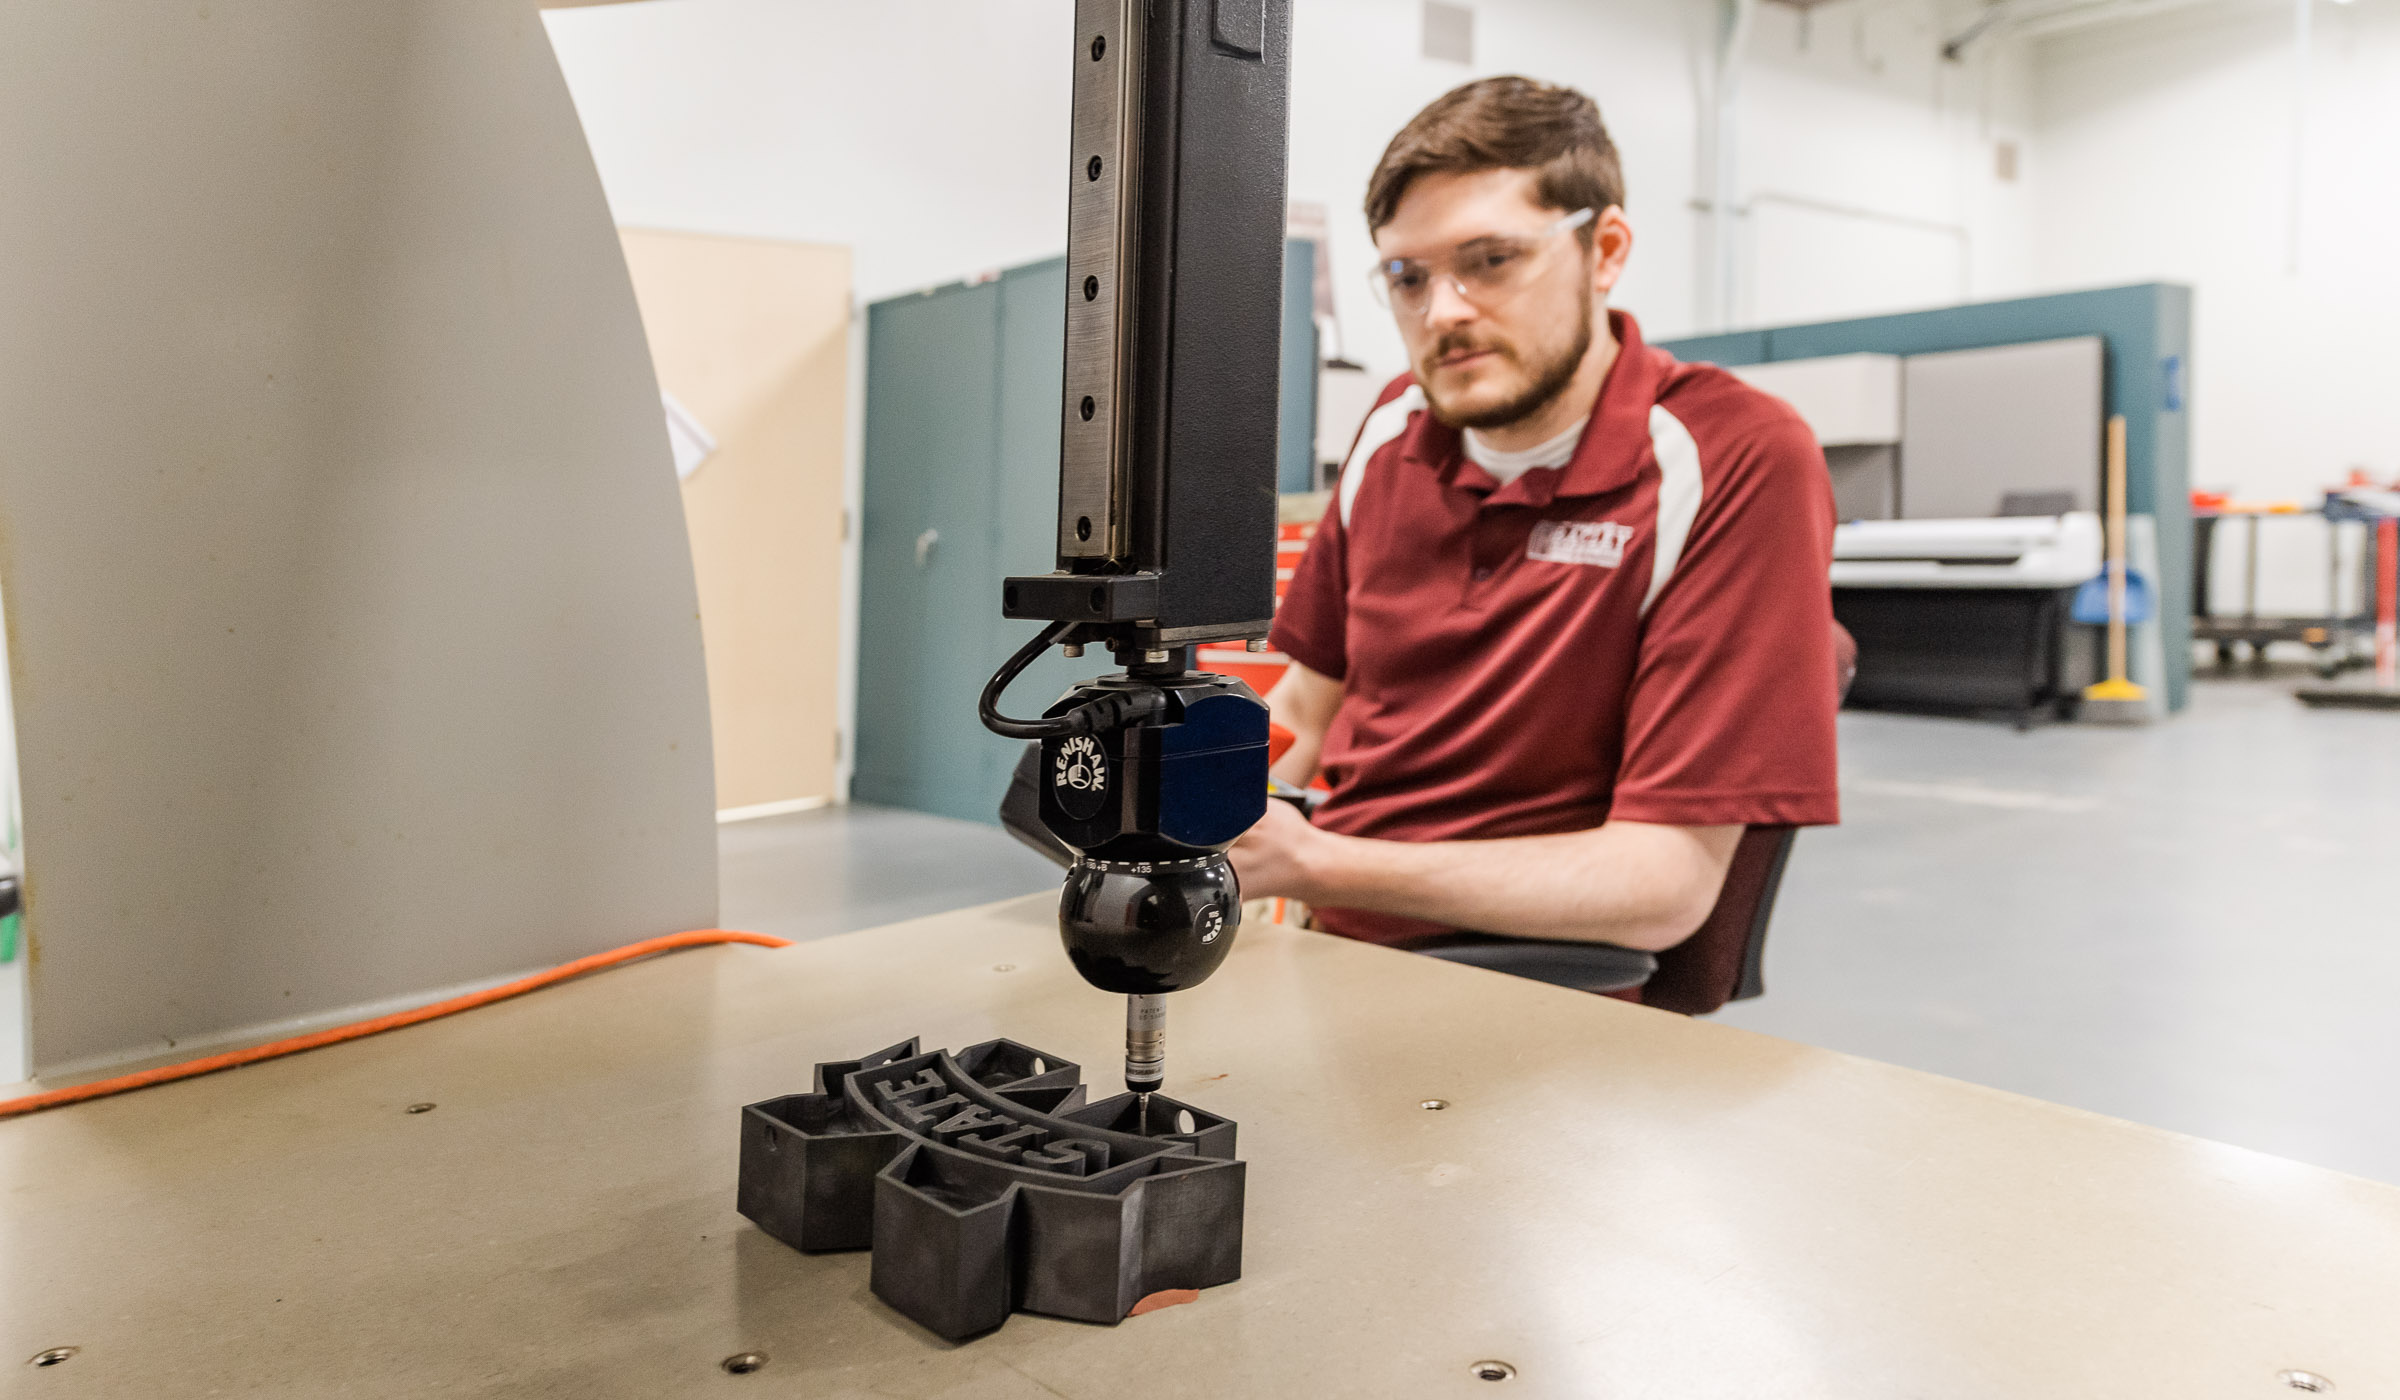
[1550,379]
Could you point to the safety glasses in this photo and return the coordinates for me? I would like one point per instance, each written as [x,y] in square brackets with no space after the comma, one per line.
[1484,271]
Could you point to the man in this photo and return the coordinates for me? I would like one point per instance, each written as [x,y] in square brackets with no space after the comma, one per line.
[1566,629]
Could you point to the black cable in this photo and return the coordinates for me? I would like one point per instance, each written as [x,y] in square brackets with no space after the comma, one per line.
[1107,712]
[987,709]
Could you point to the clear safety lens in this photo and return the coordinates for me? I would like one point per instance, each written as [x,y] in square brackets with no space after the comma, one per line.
[1484,271]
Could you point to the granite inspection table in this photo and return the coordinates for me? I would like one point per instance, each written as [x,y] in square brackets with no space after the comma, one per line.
[1610,1201]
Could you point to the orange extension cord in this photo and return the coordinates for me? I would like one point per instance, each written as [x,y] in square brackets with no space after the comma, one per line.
[356,1030]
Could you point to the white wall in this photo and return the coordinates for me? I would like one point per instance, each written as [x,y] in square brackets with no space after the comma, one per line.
[1868,162]
[2165,152]
[1357,78]
[931,136]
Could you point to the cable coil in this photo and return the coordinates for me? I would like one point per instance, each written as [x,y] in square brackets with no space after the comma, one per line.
[1111,711]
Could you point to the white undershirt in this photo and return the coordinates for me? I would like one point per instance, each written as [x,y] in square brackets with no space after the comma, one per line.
[1506,467]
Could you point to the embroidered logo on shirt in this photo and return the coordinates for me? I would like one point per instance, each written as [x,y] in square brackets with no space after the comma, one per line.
[1600,543]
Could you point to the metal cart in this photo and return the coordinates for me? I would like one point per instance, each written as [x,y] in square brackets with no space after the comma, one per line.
[2339,641]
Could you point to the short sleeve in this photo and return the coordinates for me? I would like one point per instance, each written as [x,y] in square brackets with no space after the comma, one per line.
[1731,716]
[1311,619]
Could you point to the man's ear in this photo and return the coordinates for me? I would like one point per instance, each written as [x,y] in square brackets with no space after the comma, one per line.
[1612,244]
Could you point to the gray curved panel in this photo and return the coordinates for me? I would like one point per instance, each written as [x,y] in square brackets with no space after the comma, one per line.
[350,609]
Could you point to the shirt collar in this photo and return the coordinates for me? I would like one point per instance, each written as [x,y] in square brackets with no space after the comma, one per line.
[1608,458]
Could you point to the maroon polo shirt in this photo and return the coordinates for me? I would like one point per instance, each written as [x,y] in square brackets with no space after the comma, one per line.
[1645,633]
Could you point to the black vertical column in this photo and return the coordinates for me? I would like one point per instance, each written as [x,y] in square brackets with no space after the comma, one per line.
[1170,413]
[1201,472]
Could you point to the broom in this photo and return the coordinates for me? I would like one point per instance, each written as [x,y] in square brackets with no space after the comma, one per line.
[2116,700]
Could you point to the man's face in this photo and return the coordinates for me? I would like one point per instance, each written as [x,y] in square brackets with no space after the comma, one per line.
[1489,360]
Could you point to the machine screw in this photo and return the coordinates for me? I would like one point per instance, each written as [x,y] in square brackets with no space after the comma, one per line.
[419,1108]
[1099,46]
[1091,288]
[2309,1381]
[1154,658]
[1255,645]
[1072,651]
[1434,1105]
[1492,1371]
[53,1357]
[742,1363]
[1092,170]
[1090,407]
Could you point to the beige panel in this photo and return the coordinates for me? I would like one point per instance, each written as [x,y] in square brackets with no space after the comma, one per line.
[752,337]
[350,608]
[1616,1201]
[1983,423]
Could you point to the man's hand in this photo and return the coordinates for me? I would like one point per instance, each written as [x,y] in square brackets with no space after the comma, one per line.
[1272,858]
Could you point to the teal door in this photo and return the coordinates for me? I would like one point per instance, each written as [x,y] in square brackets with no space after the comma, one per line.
[961,488]
[925,539]
[1296,434]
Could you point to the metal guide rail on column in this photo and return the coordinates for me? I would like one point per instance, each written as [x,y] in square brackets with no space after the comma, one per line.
[1100,254]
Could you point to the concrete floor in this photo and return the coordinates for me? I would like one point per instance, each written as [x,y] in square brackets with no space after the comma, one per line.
[2195,925]
[820,873]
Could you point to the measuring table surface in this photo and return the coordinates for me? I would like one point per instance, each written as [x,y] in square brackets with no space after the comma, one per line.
[1614,1202]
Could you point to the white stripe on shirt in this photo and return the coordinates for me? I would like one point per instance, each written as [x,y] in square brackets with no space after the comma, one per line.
[1382,426]
[1678,496]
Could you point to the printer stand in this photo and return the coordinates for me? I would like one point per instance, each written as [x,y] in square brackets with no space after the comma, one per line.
[1959,649]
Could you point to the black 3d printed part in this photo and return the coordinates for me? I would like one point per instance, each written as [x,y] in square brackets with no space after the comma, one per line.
[985,1185]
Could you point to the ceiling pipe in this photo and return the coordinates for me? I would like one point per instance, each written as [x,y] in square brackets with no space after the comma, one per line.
[1733,34]
[1954,48]
[2035,18]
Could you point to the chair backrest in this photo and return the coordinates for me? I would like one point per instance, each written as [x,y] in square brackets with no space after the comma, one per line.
[1721,962]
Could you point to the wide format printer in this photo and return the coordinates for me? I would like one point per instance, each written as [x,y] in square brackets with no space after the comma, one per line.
[1971,614]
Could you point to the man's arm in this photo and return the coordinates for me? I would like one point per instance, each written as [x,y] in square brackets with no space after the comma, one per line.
[1634,884]
[1303,702]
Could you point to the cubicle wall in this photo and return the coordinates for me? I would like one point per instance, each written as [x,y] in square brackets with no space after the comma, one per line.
[962,430]
[2003,421]
[2146,331]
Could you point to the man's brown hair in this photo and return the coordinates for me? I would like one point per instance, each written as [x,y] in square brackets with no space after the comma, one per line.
[1505,124]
